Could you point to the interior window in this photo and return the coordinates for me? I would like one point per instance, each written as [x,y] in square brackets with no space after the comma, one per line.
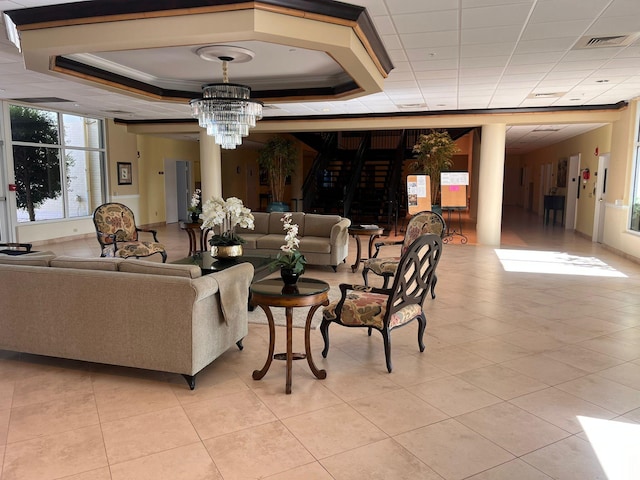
[58,163]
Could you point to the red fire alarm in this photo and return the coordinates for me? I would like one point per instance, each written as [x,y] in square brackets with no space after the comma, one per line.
[596,152]
[13,187]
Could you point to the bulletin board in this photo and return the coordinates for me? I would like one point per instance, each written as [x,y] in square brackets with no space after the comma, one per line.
[418,193]
[453,190]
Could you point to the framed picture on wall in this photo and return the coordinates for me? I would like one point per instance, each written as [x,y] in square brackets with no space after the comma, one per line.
[124,173]
[561,181]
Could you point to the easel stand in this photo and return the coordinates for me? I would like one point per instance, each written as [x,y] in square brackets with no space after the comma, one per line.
[452,231]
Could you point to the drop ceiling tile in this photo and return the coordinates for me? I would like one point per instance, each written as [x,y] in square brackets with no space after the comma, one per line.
[554,10]
[544,45]
[392,43]
[448,74]
[472,36]
[633,62]
[435,64]
[427,22]
[441,53]
[533,58]
[495,72]
[495,16]
[614,26]
[429,40]
[374,7]
[476,62]
[486,50]
[489,3]
[571,28]
[384,25]
[413,6]
[397,56]
[535,68]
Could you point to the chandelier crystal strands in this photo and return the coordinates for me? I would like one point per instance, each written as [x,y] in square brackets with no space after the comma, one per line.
[226,109]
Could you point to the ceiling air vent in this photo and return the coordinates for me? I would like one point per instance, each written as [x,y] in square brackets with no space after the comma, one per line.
[606,41]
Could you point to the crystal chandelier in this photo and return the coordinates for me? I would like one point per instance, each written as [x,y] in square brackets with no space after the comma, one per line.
[226,109]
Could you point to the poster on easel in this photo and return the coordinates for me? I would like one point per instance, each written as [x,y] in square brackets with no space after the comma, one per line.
[453,189]
[418,193]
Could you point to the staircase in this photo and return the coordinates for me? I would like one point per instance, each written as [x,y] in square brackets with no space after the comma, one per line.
[359,174]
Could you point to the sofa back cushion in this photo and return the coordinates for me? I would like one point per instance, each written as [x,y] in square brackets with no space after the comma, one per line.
[317,225]
[276,224]
[131,265]
[260,224]
[106,264]
[36,259]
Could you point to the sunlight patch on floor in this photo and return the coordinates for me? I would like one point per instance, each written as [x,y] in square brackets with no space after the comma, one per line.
[555,263]
[616,445]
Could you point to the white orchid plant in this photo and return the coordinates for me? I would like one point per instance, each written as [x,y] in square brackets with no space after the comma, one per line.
[290,257]
[195,201]
[224,216]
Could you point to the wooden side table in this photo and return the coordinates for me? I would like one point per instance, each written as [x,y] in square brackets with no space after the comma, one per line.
[308,292]
[195,244]
[356,231]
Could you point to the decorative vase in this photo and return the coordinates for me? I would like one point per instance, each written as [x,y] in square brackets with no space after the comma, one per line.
[289,277]
[226,251]
[195,216]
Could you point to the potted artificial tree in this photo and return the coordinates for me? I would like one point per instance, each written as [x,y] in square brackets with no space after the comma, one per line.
[435,151]
[278,159]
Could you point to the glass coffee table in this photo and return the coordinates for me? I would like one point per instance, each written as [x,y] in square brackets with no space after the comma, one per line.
[209,264]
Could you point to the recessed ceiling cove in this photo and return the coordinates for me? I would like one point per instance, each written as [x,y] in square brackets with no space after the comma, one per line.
[302,51]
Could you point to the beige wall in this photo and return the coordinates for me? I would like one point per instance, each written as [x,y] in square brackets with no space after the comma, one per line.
[153,152]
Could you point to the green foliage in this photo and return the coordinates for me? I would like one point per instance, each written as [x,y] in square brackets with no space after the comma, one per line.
[278,158]
[227,239]
[293,260]
[37,169]
[435,152]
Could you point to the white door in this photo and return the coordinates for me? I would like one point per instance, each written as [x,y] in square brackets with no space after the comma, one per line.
[601,198]
[573,185]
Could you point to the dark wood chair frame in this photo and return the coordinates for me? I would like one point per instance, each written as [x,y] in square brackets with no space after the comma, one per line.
[102,237]
[378,245]
[414,279]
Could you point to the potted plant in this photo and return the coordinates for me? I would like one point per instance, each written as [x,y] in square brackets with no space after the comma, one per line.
[290,261]
[435,151]
[226,215]
[194,207]
[278,159]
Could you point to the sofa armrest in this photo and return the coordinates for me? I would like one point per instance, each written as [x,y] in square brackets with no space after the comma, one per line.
[340,232]
[204,286]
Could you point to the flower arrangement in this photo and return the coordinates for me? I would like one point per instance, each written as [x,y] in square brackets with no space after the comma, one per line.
[290,257]
[226,215]
[435,152]
[195,201]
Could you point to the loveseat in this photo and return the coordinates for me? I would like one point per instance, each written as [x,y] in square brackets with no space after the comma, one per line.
[324,239]
[128,312]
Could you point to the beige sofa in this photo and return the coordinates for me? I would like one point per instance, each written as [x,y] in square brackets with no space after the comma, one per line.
[134,313]
[324,239]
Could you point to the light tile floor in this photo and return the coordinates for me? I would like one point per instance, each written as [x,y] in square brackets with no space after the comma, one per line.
[514,359]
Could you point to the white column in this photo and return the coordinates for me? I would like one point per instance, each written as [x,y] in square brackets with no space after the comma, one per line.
[210,167]
[490,184]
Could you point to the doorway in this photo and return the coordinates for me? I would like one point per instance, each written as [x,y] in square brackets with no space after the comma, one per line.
[601,198]
[177,178]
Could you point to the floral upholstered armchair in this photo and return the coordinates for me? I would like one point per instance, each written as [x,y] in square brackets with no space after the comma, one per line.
[118,235]
[384,309]
[419,224]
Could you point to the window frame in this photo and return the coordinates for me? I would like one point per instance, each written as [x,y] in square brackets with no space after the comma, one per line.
[63,149]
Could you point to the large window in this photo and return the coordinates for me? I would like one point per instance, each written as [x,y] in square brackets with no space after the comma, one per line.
[58,163]
[635,194]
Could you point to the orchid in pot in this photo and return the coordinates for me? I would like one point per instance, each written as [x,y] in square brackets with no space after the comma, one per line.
[290,261]
[194,207]
[223,216]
